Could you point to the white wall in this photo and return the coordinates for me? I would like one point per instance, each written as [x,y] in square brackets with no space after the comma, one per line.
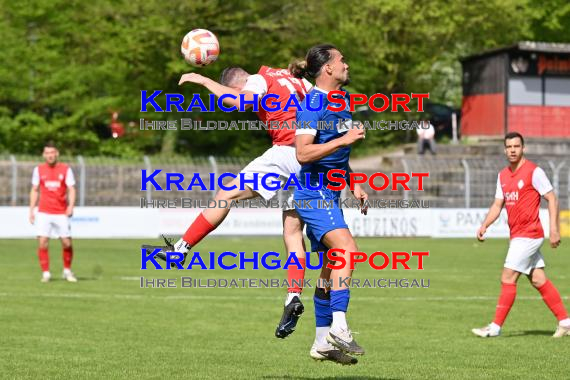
[134,222]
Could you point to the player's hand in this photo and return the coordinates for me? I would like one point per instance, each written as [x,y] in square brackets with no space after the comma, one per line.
[554,239]
[361,195]
[192,78]
[32,217]
[69,211]
[481,233]
[353,135]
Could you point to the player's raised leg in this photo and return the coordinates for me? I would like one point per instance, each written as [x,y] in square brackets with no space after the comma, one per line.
[552,299]
[211,218]
[206,222]
[294,244]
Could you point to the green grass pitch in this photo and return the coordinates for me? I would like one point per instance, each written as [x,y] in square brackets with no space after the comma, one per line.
[106,326]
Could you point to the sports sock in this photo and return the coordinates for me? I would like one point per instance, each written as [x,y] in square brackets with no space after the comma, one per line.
[181,246]
[290,297]
[198,230]
[339,306]
[321,336]
[67,257]
[506,300]
[295,276]
[552,299]
[323,315]
[43,255]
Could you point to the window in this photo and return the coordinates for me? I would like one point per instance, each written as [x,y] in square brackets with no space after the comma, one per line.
[557,91]
[525,91]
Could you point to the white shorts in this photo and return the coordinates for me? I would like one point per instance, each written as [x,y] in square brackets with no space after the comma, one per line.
[524,255]
[280,159]
[53,225]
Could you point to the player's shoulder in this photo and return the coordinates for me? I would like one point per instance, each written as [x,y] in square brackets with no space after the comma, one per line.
[271,72]
[532,165]
[263,70]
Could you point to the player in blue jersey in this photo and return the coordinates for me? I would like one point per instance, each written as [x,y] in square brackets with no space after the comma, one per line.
[320,150]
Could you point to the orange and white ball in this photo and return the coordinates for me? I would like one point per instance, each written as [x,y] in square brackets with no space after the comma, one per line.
[200,47]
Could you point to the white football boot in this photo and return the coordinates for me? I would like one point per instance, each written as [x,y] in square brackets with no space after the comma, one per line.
[46,276]
[488,331]
[331,353]
[561,331]
[68,276]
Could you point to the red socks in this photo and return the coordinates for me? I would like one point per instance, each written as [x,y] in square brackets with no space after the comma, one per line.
[67,257]
[549,294]
[44,259]
[295,277]
[506,300]
[198,230]
[43,255]
[552,299]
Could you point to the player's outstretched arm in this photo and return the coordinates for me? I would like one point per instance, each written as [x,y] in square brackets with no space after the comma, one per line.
[33,202]
[554,218]
[492,215]
[309,152]
[217,89]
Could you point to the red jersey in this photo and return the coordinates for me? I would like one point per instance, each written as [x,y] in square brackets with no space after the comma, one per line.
[521,191]
[281,83]
[53,182]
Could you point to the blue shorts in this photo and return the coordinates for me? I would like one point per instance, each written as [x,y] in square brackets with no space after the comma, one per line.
[319,221]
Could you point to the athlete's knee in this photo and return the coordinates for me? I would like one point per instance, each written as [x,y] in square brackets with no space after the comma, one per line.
[43,243]
[509,276]
[292,225]
[537,279]
[537,283]
[66,243]
[508,280]
[348,243]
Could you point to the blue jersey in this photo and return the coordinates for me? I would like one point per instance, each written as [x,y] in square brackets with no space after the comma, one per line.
[325,125]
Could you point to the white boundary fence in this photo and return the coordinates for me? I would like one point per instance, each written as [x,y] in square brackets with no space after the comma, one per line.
[453,182]
[133,222]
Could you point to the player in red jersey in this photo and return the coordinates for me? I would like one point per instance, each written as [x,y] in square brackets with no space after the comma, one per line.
[280,158]
[54,184]
[519,188]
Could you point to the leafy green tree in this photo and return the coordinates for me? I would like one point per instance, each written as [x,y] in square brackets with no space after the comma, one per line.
[66,66]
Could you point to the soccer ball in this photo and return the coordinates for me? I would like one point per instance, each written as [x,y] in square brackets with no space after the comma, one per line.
[200,47]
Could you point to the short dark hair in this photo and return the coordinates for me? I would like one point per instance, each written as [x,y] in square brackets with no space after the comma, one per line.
[230,74]
[50,144]
[513,135]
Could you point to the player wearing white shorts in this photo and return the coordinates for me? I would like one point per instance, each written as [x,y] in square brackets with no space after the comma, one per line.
[53,183]
[280,159]
[519,188]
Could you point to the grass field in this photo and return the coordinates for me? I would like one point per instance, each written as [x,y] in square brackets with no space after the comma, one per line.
[106,326]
